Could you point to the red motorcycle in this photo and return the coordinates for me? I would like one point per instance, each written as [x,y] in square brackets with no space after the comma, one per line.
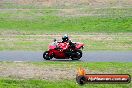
[64,50]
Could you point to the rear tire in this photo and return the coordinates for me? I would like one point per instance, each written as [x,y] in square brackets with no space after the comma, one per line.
[46,55]
[77,56]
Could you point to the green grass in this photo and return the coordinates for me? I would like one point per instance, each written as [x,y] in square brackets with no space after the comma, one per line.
[107,21]
[107,67]
[76,25]
[8,83]
[43,21]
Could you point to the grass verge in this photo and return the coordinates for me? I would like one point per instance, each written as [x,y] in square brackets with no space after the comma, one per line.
[9,83]
[15,81]
[92,41]
[42,21]
[103,28]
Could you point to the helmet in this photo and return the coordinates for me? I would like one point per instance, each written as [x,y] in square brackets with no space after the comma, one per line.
[65,38]
[55,40]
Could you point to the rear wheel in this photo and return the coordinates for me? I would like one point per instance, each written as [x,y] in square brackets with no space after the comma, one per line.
[77,56]
[46,55]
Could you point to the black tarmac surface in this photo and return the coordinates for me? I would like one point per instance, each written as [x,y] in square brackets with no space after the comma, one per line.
[94,56]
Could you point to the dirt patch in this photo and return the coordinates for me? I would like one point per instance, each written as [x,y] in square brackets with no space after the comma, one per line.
[20,70]
[71,3]
[95,36]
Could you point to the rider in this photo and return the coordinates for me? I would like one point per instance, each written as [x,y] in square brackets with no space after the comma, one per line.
[68,42]
[66,39]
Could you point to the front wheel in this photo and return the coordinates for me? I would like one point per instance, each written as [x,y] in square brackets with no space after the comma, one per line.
[46,55]
[77,56]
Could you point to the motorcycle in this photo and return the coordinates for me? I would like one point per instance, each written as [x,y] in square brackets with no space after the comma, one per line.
[64,50]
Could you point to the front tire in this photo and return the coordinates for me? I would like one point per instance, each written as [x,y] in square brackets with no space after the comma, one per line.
[77,56]
[46,55]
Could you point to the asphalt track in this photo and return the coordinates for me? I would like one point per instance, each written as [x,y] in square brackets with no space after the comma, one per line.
[94,56]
